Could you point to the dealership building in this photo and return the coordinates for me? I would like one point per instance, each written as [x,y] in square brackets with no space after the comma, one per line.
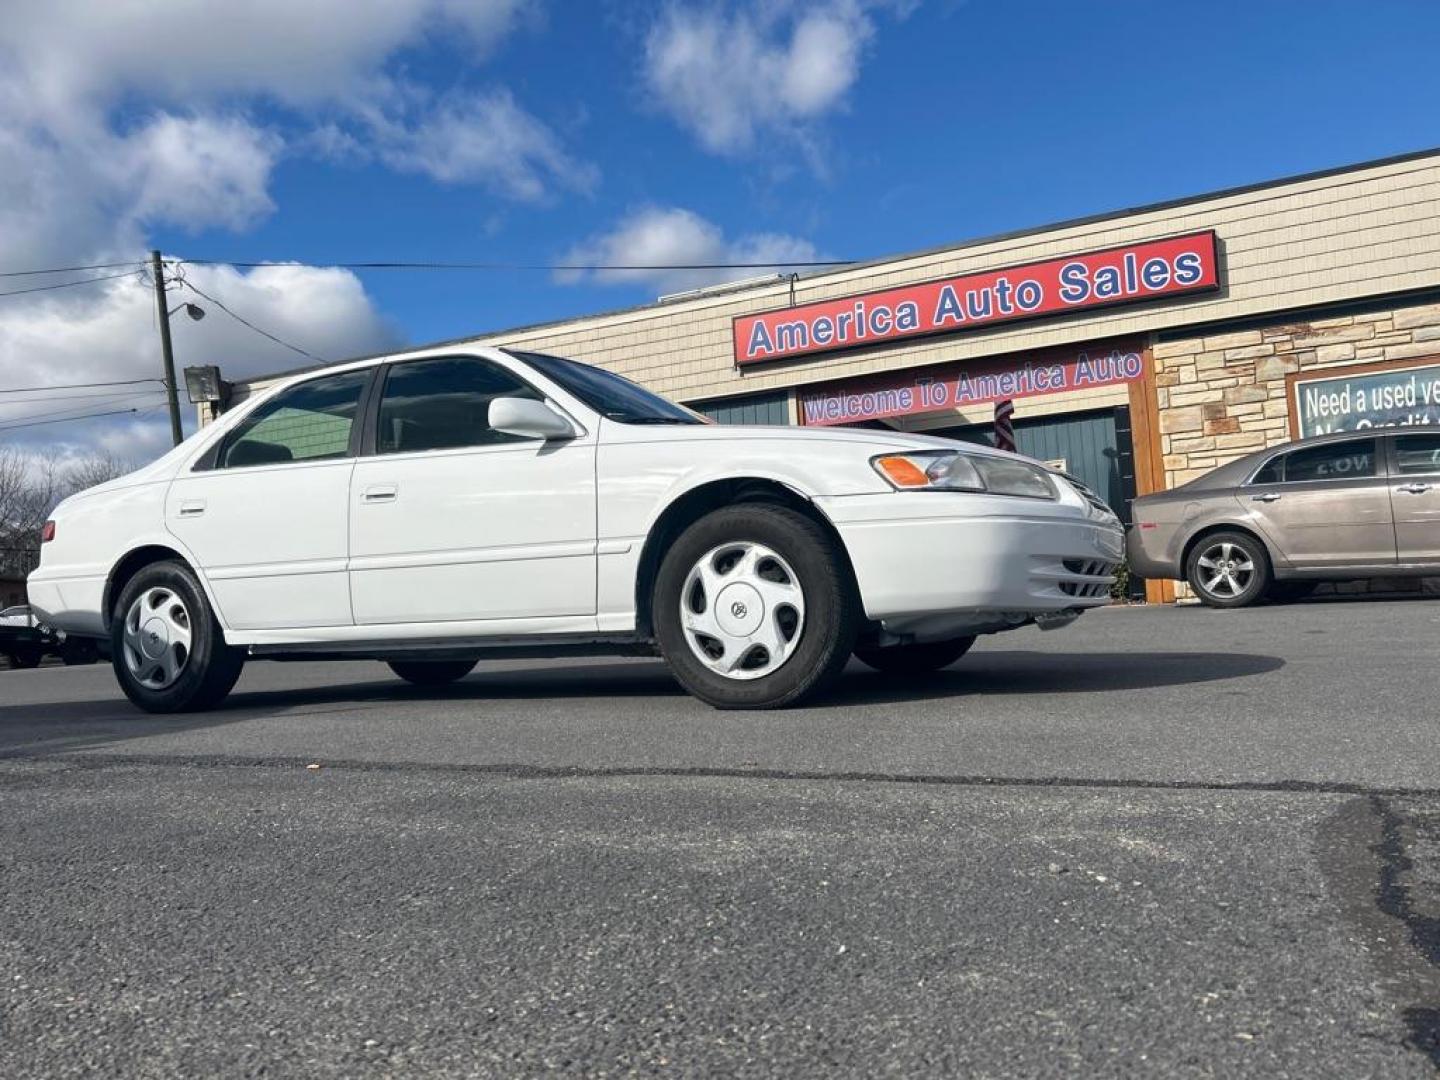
[1140,348]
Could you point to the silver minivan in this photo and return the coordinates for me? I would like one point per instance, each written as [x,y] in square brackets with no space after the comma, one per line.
[1357,504]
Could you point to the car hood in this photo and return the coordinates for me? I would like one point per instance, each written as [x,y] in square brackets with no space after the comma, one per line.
[862,439]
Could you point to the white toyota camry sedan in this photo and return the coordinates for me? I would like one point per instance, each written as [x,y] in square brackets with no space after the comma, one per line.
[436,507]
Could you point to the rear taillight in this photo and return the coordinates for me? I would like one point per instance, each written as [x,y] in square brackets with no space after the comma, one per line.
[48,532]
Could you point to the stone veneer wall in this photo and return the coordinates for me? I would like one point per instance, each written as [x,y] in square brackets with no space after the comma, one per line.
[1223,396]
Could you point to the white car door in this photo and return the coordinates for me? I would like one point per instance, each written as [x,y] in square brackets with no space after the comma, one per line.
[453,521]
[264,511]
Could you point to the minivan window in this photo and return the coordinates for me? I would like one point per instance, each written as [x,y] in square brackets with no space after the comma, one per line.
[308,422]
[1418,453]
[444,403]
[1351,460]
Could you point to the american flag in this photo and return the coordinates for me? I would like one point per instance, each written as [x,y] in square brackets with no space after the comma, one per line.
[1004,425]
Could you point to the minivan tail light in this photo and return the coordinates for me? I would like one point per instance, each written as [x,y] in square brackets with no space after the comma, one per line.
[48,532]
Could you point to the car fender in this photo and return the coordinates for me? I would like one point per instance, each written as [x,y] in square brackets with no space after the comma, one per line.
[167,539]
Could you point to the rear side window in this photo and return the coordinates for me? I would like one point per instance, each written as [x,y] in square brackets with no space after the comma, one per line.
[1333,461]
[308,422]
[1418,453]
[443,404]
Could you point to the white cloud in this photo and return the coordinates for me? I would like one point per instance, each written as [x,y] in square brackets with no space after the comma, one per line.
[730,76]
[108,333]
[201,171]
[306,53]
[670,236]
[488,139]
[103,138]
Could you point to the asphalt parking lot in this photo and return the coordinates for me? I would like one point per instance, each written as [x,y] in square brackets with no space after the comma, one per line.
[1163,841]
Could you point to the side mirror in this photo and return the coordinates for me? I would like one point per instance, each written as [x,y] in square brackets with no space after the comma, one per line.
[530,418]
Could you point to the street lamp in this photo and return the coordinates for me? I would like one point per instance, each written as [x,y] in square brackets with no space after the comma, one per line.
[195,311]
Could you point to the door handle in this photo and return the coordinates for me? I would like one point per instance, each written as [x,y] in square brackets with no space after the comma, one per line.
[192,508]
[1414,489]
[380,493]
[1267,497]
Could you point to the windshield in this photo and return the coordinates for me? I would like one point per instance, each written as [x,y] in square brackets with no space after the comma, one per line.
[611,396]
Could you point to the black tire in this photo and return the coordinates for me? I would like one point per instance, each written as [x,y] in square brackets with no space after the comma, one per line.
[432,672]
[1290,592]
[832,609]
[920,658]
[77,651]
[1246,550]
[24,659]
[210,667]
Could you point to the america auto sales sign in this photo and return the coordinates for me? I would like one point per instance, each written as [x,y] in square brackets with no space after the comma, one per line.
[1122,275]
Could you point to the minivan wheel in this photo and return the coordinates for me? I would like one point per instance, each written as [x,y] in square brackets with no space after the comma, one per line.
[432,672]
[918,658]
[166,645]
[754,608]
[1228,570]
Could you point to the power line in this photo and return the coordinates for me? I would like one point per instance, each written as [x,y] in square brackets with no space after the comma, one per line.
[252,326]
[5,422]
[75,386]
[67,284]
[67,269]
[577,267]
[107,394]
[68,419]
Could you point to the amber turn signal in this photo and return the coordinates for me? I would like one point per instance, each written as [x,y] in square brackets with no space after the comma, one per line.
[902,472]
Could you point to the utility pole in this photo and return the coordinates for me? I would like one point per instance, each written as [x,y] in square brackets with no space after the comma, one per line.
[162,309]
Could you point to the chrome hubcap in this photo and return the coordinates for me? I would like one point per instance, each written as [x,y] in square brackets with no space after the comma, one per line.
[1226,570]
[742,610]
[157,638]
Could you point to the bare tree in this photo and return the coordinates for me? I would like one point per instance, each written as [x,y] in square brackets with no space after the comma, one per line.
[29,490]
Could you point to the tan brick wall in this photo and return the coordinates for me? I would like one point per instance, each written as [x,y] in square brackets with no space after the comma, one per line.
[1224,396]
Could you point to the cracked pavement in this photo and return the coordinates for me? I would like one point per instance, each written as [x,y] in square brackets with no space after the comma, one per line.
[1162,842]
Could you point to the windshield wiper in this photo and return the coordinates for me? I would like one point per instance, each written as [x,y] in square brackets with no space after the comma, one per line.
[621,418]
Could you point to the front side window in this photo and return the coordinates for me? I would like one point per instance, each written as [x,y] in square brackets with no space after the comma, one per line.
[1273,471]
[1332,461]
[308,422]
[444,403]
[1415,454]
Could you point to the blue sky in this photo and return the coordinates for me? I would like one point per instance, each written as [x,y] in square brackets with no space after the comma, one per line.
[965,119]
[507,131]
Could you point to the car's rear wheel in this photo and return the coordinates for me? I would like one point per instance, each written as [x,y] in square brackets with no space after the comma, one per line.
[167,647]
[432,672]
[754,608]
[1228,570]
[919,658]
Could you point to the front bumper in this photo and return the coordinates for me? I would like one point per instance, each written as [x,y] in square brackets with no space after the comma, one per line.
[928,553]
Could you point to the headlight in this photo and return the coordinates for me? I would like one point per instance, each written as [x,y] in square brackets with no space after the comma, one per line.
[950,470]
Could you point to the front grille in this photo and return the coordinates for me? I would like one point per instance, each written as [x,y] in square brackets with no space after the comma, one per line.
[1095,578]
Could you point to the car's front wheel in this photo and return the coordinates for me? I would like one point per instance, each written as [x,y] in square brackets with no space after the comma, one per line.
[919,658]
[167,647]
[754,608]
[1228,570]
[432,672]
[24,658]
